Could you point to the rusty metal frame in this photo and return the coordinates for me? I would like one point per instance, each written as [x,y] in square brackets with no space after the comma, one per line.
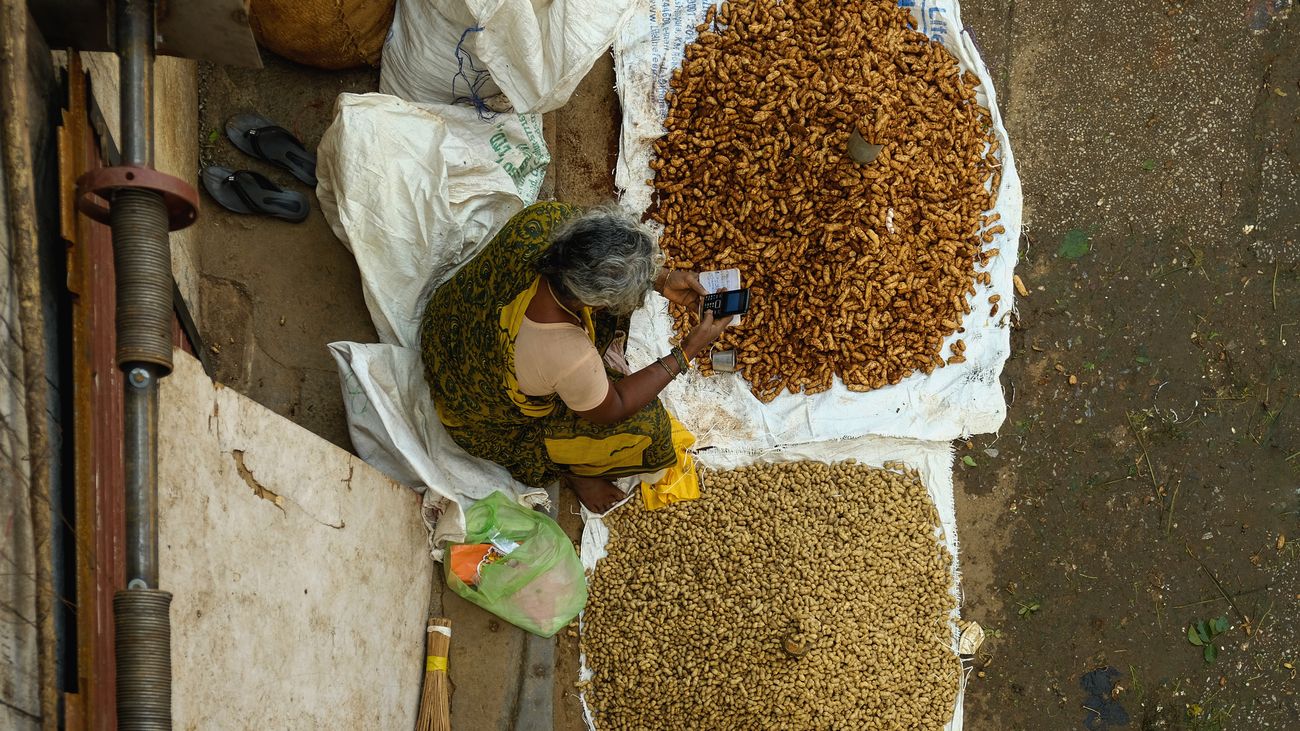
[97,416]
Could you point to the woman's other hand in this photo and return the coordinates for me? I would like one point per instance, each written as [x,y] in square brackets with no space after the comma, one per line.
[703,335]
[681,286]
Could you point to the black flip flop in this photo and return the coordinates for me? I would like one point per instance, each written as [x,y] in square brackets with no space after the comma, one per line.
[263,139]
[244,191]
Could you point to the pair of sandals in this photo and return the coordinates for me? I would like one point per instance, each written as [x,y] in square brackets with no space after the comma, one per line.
[246,191]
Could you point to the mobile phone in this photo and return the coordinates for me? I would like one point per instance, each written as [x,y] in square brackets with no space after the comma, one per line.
[726,304]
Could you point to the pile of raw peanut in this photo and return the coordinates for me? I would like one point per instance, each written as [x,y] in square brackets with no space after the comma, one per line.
[856,270]
[793,596]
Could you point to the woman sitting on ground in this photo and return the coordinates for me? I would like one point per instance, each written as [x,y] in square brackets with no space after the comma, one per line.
[523,351]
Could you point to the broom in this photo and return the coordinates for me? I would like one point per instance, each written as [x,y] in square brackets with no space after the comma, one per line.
[435,711]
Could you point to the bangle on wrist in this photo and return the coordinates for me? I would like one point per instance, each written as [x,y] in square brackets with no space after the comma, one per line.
[668,369]
[683,364]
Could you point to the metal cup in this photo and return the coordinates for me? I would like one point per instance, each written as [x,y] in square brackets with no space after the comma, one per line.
[724,361]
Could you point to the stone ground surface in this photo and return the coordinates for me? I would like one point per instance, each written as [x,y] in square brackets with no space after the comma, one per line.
[1167,135]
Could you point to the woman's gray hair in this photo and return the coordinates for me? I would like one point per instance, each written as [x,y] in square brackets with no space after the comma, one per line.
[603,258]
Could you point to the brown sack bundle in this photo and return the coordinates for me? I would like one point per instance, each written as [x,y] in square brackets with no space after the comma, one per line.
[327,34]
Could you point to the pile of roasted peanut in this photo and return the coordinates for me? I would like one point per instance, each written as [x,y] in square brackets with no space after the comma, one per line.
[856,270]
[791,596]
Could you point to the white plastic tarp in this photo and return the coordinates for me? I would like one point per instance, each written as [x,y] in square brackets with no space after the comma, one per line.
[536,51]
[415,190]
[931,460]
[395,428]
[951,402]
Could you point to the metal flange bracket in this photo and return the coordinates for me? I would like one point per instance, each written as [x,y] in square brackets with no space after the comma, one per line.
[95,190]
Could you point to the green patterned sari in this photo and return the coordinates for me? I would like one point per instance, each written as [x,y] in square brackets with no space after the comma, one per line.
[467,339]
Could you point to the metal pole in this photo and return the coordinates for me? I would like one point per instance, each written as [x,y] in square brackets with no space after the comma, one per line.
[142,258]
[135,38]
[141,444]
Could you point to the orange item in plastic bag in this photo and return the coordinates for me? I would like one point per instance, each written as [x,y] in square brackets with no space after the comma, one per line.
[466,558]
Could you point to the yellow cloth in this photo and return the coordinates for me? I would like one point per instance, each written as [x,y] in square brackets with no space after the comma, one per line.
[680,482]
[595,456]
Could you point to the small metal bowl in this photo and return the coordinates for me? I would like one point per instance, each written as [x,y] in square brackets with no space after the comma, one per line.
[724,361]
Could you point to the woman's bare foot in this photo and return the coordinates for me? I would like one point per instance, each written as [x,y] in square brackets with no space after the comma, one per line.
[595,493]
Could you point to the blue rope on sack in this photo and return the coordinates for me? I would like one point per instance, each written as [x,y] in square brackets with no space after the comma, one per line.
[473,80]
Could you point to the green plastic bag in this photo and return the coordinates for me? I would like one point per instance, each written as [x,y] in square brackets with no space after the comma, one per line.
[539,584]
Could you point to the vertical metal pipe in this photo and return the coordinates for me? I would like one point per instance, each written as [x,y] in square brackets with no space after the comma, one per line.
[141,439]
[142,257]
[142,635]
[135,38]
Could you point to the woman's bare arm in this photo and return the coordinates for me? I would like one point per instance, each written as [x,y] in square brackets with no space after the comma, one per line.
[631,394]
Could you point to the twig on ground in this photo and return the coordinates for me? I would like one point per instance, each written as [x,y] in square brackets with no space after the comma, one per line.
[1275,265]
[1213,599]
[1142,445]
[1259,626]
[1244,619]
[1169,518]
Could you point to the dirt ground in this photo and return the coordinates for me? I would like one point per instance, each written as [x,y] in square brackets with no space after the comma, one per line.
[1166,136]
[1149,466]
[273,293]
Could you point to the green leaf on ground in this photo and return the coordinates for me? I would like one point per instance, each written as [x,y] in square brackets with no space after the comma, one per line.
[1074,245]
[969,461]
[1211,652]
[212,136]
[1143,360]
[1220,625]
[1203,630]
[1148,165]
[1192,637]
